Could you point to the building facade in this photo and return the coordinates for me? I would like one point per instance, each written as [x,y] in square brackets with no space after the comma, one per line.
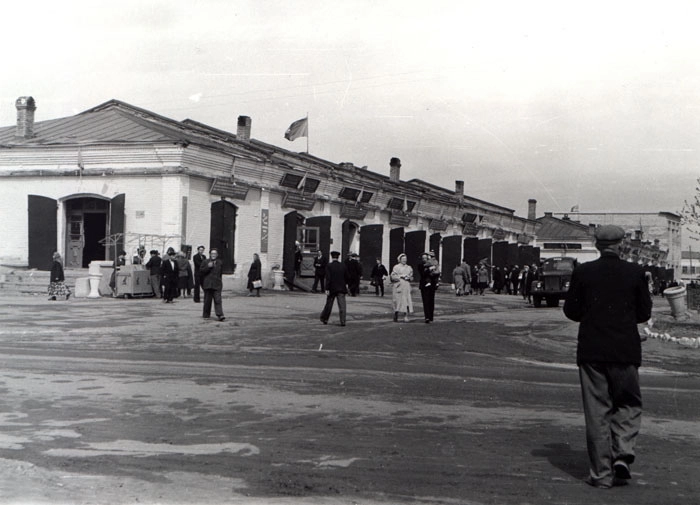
[121,177]
[654,238]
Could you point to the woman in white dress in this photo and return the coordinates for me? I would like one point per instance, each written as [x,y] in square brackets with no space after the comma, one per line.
[401,275]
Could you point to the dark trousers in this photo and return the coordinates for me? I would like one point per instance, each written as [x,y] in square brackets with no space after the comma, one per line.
[319,279]
[326,312]
[155,285]
[197,286]
[209,295]
[378,286]
[354,287]
[428,297]
[169,289]
[612,406]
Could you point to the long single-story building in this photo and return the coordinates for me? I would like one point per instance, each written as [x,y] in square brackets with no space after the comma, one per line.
[118,176]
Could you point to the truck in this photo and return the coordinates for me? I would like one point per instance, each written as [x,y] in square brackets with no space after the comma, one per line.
[553,281]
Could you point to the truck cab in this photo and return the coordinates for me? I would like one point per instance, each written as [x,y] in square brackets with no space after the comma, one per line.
[553,282]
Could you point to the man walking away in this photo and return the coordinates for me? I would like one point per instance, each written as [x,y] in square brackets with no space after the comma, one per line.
[212,284]
[609,297]
[336,288]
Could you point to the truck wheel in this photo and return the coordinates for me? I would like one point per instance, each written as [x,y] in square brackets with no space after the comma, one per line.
[537,301]
[552,302]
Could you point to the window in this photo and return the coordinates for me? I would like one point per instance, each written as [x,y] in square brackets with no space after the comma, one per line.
[291,180]
[397,204]
[349,193]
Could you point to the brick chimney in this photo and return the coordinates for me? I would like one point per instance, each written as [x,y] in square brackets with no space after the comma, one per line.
[394,169]
[459,189]
[244,125]
[532,209]
[25,116]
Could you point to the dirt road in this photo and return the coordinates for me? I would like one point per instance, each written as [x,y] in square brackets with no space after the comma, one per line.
[133,401]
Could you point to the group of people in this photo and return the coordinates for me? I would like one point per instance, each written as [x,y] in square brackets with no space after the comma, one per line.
[511,279]
[352,266]
[339,281]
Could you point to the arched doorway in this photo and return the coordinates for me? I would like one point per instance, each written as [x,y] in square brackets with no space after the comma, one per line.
[89,220]
[222,233]
[350,239]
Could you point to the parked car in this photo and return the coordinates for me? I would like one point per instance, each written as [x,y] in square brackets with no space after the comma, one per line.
[553,282]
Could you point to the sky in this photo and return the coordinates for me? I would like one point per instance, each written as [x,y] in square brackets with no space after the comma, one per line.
[588,104]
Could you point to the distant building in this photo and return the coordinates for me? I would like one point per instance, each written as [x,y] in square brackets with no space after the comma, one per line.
[690,266]
[653,238]
[118,176]
[564,237]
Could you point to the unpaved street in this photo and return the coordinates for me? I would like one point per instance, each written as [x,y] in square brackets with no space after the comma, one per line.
[132,401]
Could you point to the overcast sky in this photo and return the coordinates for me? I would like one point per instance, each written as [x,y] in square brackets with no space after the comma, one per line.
[595,104]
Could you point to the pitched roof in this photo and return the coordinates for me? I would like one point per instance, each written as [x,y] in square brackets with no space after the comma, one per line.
[553,228]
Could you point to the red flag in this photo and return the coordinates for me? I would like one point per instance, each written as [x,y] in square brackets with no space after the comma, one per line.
[299,128]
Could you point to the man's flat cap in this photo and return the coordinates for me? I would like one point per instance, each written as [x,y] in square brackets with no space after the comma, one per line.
[609,234]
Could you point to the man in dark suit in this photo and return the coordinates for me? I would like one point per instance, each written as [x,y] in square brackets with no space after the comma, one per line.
[169,276]
[336,288]
[211,271]
[198,259]
[609,297]
[320,264]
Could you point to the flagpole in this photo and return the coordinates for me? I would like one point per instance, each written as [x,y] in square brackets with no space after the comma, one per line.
[307,132]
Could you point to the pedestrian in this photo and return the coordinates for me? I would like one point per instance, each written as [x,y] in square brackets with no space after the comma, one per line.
[212,284]
[138,258]
[169,276]
[401,277]
[153,266]
[352,264]
[255,276]
[119,262]
[320,264]
[525,282]
[185,281]
[379,273]
[298,258]
[608,297]
[336,288]
[506,279]
[57,285]
[459,279]
[197,259]
[482,278]
[475,279]
[515,279]
[429,275]
[497,280]
[468,277]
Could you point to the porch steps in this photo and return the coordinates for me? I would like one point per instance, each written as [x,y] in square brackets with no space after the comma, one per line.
[34,282]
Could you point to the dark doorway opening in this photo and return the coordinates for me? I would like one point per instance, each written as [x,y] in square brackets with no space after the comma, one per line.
[222,233]
[95,227]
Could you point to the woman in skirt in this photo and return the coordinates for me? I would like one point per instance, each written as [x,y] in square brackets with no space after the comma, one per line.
[57,287]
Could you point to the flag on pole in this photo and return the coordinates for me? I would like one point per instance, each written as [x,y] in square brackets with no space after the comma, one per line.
[299,128]
[302,184]
[574,208]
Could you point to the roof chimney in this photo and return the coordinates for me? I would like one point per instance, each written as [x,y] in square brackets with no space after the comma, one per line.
[243,131]
[25,116]
[532,209]
[394,169]
[459,189]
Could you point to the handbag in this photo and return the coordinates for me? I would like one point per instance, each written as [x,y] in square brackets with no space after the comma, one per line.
[257,284]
